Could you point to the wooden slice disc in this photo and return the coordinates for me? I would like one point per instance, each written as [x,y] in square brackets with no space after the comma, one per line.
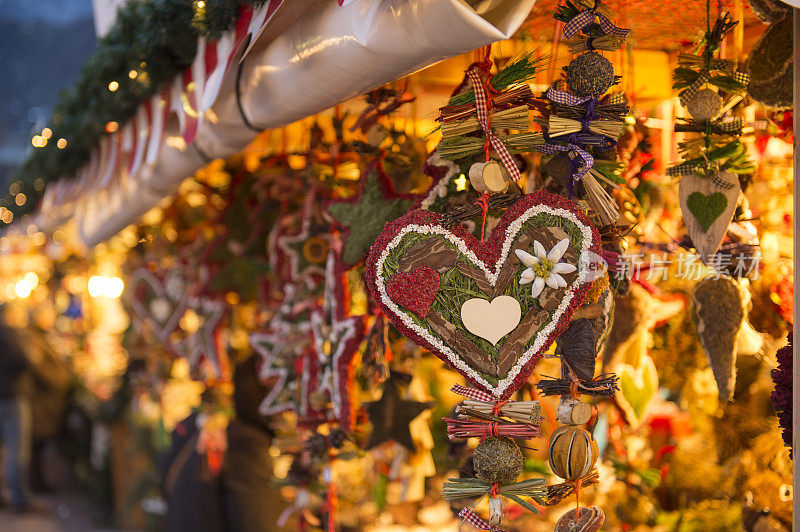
[584,519]
[476,177]
[581,413]
[376,135]
[494,177]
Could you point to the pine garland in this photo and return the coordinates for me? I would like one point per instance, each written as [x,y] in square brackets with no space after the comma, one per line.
[156,40]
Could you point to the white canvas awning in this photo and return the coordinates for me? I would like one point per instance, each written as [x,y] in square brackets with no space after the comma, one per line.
[304,56]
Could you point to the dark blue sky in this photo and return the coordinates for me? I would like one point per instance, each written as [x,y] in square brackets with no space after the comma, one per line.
[43,45]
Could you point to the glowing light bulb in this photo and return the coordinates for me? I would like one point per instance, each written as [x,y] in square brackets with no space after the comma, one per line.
[23,288]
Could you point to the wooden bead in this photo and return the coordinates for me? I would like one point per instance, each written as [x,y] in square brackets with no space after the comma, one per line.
[573,452]
[376,135]
[495,511]
[494,177]
[476,177]
[572,411]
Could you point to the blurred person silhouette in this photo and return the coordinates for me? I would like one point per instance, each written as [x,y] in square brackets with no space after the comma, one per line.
[15,416]
[241,497]
[50,383]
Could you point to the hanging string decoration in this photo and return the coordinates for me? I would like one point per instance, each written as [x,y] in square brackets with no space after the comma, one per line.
[479,118]
[489,302]
[336,338]
[579,125]
[713,156]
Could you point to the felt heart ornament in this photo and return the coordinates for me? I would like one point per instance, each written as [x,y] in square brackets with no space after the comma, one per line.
[158,303]
[414,290]
[708,205]
[637,388]
[470,322]
[493,319]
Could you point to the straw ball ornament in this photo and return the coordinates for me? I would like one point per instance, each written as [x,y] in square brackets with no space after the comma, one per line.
[590,74]
[498,460]
[705,105]
[573,452]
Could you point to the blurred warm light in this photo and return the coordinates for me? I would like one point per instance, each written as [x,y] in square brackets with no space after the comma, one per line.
[39,239]
[461,183]
[111,127]
[59,237]
[132,74]
[101,286]
[190,322]
[62,143]
[113,86]
[76,284]
[47,133]
[39,183]
[175,141]
[7,217]
[20,199]
[24,287]
[15,188]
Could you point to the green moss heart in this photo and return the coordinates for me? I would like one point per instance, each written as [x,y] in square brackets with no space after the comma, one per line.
[706,208]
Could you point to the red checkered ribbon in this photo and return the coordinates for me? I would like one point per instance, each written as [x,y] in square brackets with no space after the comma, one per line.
[472,393]
[482,109]
[585,18]
[477,521]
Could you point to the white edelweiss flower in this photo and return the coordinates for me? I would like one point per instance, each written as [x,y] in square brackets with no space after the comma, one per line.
[544,268]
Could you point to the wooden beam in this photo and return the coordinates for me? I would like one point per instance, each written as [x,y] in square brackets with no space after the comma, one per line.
[796,259]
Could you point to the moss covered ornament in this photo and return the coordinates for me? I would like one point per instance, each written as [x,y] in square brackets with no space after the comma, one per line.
[590,75]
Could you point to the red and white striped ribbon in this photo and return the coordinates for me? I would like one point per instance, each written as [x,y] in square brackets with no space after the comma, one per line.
[472,393]
[477,521]
[482,110]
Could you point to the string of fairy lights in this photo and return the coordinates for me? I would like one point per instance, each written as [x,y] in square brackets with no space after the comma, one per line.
[151,42]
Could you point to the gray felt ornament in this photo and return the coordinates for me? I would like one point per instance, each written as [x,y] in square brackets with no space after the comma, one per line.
[590,74]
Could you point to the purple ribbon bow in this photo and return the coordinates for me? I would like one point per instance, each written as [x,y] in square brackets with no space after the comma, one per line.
[584,18]
[565,98]
[549,148]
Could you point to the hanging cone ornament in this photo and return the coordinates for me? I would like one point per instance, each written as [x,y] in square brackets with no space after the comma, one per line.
[576,346]
[719,314]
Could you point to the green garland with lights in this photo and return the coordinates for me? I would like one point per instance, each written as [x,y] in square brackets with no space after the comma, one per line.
[151,42]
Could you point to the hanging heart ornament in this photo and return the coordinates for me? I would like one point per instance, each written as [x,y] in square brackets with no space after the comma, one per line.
[490,309]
